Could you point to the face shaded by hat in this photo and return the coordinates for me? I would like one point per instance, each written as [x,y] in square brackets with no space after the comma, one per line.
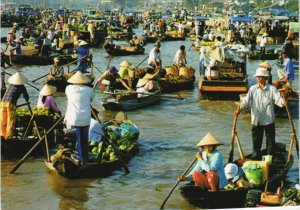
[113,69]
[48,90]
[261,72]
[79,79]
[17,79]
[231,170]
[208,140]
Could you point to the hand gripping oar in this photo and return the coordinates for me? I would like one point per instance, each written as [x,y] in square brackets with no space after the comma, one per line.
[184,173]
[26,82]
[113,146]
[34,146]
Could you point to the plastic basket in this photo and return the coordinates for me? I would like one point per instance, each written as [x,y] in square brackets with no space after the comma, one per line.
[254,176]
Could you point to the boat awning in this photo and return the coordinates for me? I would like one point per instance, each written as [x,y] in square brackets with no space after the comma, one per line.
[241,19]
[201,19]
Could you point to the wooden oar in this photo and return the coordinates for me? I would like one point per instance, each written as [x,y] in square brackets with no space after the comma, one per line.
[112,145]
[294,136]
[141,62]
[47,147]
[184,173]
[33,147]
[233,132]
[26,82]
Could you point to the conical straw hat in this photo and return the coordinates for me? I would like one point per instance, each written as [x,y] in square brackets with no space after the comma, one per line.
[79,78]
[17,79]
[209,139]
[47,90]
[125,63]
[83,43]
[265,64]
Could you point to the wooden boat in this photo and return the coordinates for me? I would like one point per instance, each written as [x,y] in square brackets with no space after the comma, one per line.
[40,60]
[129,101]
[169,86]
[125,50]
[237,198]
[152,39]
[266,56]
[175,37]
[230,82]
[68,167]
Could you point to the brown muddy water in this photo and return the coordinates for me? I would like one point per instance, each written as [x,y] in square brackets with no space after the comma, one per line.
[168,135]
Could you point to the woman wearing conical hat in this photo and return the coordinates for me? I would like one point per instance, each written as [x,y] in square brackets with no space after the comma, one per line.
[46,99]
[83,54]
[209,170]
[9,102]
[78,113]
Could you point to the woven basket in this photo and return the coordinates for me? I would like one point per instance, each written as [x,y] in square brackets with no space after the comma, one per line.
[187,72]
[172,70]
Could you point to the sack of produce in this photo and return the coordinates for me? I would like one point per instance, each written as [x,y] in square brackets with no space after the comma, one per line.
[172,70]
[187,72]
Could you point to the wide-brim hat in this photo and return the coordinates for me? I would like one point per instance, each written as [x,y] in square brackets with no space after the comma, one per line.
[82,43]
[261,72]
[17,79]
[209,139]
[125,63]
[79,78]
[48,90]
[18,40]
[109,37]
[231,170]
[265,64]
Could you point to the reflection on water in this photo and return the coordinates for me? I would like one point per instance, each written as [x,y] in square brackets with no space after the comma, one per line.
[169,133]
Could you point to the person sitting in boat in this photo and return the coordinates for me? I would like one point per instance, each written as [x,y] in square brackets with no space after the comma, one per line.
[9,102]
[125,66]
[180,57]
[146,86]
[18,47]
[209,171]
[83,56]
[115,81]
[109,43]
[262,98]
[288,47]
[46,99]
[154,59]
[135,41]
[287,74]
[235,176]
[56,71]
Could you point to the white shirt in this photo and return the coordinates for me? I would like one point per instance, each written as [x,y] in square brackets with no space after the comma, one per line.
[263,41]
[262,104]
[79,105]
[154,56]
[179,57]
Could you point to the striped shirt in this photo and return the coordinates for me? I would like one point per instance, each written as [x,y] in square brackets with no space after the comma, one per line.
[14,92]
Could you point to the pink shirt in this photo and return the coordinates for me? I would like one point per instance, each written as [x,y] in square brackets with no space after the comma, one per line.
[49,103]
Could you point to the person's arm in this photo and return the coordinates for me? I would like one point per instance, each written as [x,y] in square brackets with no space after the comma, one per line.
[278,100]
[215,162]
[124,84]
[102,77]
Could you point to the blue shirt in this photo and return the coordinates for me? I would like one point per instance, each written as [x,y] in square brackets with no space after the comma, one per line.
[211,163]
[82,51]
[288,68]
[18,49]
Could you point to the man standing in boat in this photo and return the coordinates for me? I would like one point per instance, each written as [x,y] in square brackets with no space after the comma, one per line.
[262,97]
[83,54]
[180,57]
[155,57]
[78,114]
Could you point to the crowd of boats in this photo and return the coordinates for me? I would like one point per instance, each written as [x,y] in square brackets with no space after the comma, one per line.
[223,44]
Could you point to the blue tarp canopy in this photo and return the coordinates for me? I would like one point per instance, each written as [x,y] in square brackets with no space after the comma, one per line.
[130,11]
[280,11]
[60,12]
[23,12]
[201,19]
[241,19]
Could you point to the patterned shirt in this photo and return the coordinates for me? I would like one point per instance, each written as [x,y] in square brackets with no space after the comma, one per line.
[57,71]
[14,92]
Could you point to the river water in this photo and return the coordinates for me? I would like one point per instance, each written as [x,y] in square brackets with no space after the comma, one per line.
[168,135]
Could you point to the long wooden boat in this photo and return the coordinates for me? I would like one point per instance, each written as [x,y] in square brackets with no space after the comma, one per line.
[266,56]
[231,81]
[173,38]
[237,198]
[40,60]
[127,144]
[169,86]
[124,52]
[130,102]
